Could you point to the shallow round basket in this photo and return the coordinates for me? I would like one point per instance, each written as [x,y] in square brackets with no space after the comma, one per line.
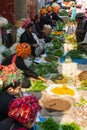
[56,103]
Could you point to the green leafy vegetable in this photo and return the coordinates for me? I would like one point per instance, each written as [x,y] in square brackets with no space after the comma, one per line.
[37,86]
[63,13]
[83,85]
[71,126]
[74,54]
[60,25]
[44,69]
[50,124]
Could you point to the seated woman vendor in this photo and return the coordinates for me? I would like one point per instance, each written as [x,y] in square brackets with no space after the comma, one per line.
[22,51]
[29,37]
[10,84]
[22,113]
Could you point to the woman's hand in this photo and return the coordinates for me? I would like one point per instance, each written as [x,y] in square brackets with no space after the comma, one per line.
[35,45]
[32,79]
[41,78]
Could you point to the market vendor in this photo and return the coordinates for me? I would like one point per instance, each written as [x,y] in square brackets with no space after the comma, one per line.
[49,12]
[36,26]
[55,14]
[36,29]
[44,20]
[22,113]
[81,27]
[22,52]
[10,87]
[29,37]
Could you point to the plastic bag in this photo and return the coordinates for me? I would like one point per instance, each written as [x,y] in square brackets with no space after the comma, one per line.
[73,15]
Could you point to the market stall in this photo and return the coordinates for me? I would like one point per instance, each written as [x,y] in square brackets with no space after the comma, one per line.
[64,66]
[63,96]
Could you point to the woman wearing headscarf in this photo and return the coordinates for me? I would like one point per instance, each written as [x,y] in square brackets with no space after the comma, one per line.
[10,87]
[54,14]
[22,52]
[44,19]
[22,113]
[81,27]
[28,36]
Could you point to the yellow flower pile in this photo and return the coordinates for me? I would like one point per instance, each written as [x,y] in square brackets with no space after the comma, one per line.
[57,32]
[64,90]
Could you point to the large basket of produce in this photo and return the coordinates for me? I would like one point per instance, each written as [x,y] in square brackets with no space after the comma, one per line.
[57,100]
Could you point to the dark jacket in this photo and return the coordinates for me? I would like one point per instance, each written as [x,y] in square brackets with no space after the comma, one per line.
[36,29]
[56,17]
[45,20]
[28,38]
[20,64]
[81,30]
[5,99]
[9,124]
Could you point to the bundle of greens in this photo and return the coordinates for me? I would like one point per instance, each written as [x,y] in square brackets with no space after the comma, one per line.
[37,86]
[51,58]
[81,103]
[58,53]
[43,69]
[83,85]
[74,54]
[56,44]
[60,25]
[63,13]
[50,124]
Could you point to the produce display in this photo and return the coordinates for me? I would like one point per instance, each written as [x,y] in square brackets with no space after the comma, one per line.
[63,13]
[51,58]
[64,90]
[82,76]
[51,124]
[71,39]
[83,85]
[44,69]
[75,54]
[80,112]
[62,80]
[57,33]
[37,86]
[58,53]
[56,44]
[81,103]
[63,95]
[67,89]
[60,25]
